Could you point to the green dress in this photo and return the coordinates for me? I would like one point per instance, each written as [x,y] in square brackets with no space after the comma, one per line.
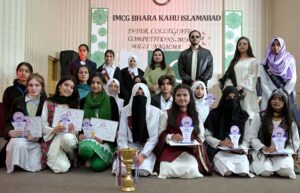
[99,155]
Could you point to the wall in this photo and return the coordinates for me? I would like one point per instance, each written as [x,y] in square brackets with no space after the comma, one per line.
[33,29]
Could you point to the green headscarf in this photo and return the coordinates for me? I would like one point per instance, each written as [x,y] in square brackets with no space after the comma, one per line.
[98,107]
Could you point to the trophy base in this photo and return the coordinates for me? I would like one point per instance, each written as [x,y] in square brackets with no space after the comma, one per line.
[125,189]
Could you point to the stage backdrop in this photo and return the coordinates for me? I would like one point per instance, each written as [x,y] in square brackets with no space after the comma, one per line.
[130,26]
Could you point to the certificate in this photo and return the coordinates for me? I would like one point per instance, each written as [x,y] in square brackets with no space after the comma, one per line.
[34,125]
[193,143]
[105,129]
[66,116]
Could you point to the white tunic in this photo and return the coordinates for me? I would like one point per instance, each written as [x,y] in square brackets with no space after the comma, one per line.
[267,85]
[61,148]
[22,153]
[283,165]
[228,162]
[246,72]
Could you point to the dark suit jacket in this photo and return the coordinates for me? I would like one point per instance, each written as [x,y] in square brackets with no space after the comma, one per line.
[127,82]
[155,100]
[75,64]
[204,65]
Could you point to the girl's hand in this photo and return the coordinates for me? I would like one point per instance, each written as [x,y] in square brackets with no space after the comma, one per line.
[177,137]
[98,140]
[226,143]
[15,133]
[72,129]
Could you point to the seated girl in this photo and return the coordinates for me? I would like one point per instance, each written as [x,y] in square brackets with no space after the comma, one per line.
[58,146]
[23,149]
[98,105]
[139,128]
[182,161]
[277,115]
[220,133]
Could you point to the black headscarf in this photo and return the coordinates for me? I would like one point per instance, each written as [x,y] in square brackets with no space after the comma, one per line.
[139,126]
[227,114]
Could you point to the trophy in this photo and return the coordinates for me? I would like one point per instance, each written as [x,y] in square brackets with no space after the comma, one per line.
[128,155]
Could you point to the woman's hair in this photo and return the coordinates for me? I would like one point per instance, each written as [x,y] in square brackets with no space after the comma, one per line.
[143,80]
[237,53]
[191,109]
[76,74]
[266,123]
[38,78]
[109,51]
[163,62]
[84,45]
[99,75]
[74,98]
[25,64]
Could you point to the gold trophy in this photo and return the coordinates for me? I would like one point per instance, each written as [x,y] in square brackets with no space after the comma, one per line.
[127,156]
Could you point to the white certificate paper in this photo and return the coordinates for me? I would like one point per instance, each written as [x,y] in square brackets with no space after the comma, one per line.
[192,143]
[105,129]
[34,125]
[66,116]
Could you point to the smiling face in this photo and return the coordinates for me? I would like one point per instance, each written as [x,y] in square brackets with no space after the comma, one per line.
[132,63]
[96,85]
[182,97]
[109,58]
[66,88]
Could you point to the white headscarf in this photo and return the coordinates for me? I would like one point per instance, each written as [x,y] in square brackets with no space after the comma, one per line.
[201,105]
[133,70]
[119,101]
[144,87]
[107,85]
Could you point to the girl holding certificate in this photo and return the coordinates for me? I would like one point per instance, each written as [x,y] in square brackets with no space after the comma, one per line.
[267,158]
[98,105]
[25,152]
[58,146]
[227,135]
[182,161]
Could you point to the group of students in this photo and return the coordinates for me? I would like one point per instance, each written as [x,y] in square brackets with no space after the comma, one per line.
[150,113]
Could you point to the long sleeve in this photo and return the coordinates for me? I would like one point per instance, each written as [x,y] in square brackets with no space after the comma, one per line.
[123,129]
[210,140]
[47,129]
[153,124]
[290,86]
[255,127]
[251,77]
[247,135]
[147,77]
[295,134]
[181,65]
[207,74]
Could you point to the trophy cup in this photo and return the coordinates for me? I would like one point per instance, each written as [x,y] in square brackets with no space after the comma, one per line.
[127,182]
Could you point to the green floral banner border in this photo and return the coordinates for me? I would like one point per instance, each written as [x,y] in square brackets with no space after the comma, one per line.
[99,34]
[232,32]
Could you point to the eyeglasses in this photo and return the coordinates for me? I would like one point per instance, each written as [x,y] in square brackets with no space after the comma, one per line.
[195,37]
